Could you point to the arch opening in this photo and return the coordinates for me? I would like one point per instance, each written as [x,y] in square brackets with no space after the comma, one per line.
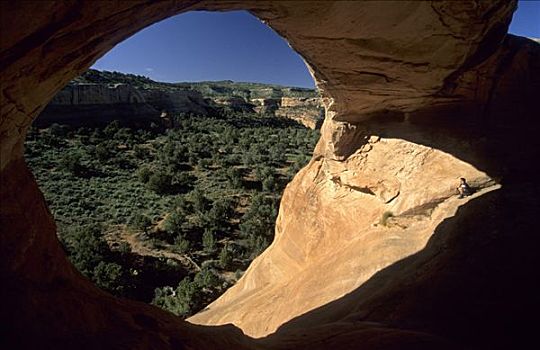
[164,192]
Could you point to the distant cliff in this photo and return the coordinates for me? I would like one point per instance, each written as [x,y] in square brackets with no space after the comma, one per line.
[100,97]
[96,104]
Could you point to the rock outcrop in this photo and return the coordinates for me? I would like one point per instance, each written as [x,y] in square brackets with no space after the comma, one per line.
[98,98]
[416,95]
[97,104]
[177,101]
[306,111]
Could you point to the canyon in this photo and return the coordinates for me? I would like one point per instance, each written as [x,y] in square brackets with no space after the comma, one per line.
[416,95]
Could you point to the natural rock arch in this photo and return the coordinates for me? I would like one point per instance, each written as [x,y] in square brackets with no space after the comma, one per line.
[428,85]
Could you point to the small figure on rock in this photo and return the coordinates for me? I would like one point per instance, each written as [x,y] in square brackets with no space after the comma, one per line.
[464,188]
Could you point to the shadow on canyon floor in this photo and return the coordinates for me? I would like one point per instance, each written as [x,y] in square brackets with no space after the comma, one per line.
[472,286]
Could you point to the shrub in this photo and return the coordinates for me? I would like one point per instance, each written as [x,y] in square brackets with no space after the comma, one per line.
[225,257]
[144,174]
[183,181]
[72,162]
[180,301]
[238,274]
[58,130]
[181,244]
[256,245]
[111,129]
[174,222]
[385,216]
[199,200]
[204,163]
[160,182]
[206,278]
[102,152]
[208,241]
[141,222]
[269,184]
[263,172]
[141,152]
[108,276]
[234,177]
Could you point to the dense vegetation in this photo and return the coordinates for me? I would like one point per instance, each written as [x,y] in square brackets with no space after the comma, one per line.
[224,88]
[171,217]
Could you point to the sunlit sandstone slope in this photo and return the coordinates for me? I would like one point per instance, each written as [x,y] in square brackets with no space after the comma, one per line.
[331,236]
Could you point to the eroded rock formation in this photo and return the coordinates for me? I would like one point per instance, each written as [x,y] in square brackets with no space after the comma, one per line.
[97,104]
[417,94]
[98,98]
[307,111]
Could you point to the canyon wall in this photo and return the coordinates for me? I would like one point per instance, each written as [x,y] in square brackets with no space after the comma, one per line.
[373,248]
[88,104]
[97,104]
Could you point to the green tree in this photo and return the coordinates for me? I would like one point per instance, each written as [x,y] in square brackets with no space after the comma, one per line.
[108,276]
[269,184]
[256,245]
[86,247]
[181,244]
[181,300]
[141,222]
[111,129]
[199,200]
[72,162]
[234,177]
[144,174]
[225,257]
[58,130]
[102,152]
[174,223]
[160,182]
[207,278]
[208,241]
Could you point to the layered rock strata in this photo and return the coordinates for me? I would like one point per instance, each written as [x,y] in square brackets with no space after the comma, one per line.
[97,104]
[416,94]
[87,104]
[306,111]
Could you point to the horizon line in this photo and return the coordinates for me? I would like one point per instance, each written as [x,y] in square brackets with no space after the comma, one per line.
[204,81]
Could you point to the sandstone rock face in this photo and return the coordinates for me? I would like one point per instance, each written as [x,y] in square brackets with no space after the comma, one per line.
[322,251]
[89,94]
[265,105]
[306,111]
[90,104]
[416,95]
[235,103]
[176,101]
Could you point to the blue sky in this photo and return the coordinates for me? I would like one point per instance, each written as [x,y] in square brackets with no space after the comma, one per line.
[198,46]
[526,20]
